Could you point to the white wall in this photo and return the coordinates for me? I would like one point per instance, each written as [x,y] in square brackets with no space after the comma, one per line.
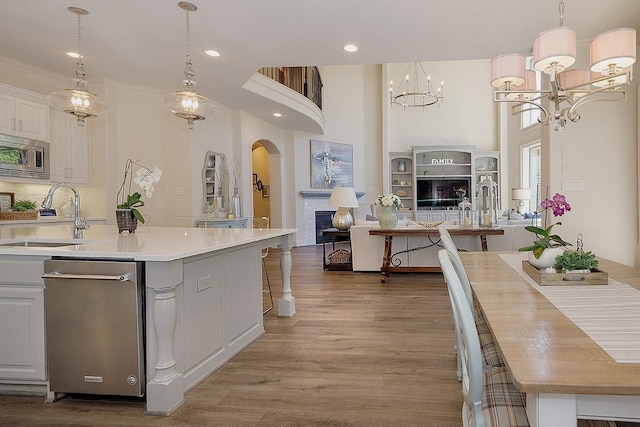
[467,116]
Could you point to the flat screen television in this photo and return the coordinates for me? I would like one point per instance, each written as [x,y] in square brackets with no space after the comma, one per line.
[434,193]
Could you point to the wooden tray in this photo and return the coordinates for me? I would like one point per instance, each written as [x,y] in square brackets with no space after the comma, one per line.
[596,277]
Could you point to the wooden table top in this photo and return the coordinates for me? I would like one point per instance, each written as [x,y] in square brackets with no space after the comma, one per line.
[544,351]
[424,231]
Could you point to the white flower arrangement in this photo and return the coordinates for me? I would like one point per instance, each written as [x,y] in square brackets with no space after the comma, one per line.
[145,179]
[389,200]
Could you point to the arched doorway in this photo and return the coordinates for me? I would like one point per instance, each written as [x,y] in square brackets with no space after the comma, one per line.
[267,181]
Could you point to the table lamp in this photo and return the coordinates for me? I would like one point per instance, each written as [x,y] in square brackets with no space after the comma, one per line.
[520,195]
[343,198]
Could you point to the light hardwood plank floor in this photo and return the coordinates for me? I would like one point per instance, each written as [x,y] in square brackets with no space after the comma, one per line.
[357,353]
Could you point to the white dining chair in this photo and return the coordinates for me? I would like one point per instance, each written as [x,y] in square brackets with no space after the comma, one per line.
[490,398]
[490,352]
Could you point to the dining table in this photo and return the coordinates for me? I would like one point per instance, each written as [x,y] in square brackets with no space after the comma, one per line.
[574,349]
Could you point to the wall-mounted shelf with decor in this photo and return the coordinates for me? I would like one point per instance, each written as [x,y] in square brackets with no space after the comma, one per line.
[401,174]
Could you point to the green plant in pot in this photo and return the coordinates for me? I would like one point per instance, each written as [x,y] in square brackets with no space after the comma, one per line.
[576,260]
[24,205]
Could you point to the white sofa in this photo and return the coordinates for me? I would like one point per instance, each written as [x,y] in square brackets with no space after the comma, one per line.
[366,250]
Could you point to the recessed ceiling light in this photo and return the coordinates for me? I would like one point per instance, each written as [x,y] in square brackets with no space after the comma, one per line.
[74,55]
[277,115]
[212,52]
[350,48]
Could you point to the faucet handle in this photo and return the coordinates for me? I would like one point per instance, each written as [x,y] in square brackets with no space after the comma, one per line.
[84,225]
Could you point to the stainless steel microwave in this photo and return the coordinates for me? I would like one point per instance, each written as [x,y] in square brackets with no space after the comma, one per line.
[23,158]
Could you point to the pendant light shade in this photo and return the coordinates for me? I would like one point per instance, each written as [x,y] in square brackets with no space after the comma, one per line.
[187,103]
[554,48]
[508,70]
[78,101]
[613,50]
[528,85]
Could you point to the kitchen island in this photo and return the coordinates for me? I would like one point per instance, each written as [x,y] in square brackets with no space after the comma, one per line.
[203,299]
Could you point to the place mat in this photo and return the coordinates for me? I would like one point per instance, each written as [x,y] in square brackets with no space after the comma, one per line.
[610,315]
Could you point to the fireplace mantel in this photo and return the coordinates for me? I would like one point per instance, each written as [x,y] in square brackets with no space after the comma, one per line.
[323,194]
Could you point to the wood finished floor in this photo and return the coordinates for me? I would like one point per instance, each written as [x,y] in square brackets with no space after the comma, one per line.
[357,353]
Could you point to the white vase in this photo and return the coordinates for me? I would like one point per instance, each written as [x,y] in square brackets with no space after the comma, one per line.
[387,217]
[547,259]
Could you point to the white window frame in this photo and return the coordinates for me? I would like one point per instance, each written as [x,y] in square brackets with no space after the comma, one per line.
[530,118]
[525,173]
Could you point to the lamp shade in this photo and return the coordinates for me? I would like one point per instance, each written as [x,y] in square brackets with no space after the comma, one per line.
[575,79]
[529,84]
[554,48]
[508,70]
[343,197]
[613,50]
[520,194]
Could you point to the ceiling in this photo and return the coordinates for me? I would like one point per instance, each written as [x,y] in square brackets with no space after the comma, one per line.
[143,42]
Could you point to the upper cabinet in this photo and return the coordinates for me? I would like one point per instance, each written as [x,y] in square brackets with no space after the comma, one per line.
[69,160]
[24,114]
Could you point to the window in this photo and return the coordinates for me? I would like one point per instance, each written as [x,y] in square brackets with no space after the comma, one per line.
[530,118]
[531,172]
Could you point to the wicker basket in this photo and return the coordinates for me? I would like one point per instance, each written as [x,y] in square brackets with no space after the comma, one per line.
[18,215]
[339,256]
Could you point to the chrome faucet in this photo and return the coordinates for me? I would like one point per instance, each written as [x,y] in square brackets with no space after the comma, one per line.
[79,223]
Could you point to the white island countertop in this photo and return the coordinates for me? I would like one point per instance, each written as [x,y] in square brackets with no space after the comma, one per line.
[146,244]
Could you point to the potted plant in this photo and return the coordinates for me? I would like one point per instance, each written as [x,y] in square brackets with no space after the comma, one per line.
[21,210]
[577,261]
[127,203]
[546,247]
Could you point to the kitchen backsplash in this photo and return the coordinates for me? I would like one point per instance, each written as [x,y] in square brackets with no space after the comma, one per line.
[36,193]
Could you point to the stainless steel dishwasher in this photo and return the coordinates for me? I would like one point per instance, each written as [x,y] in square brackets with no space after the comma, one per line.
[95,327]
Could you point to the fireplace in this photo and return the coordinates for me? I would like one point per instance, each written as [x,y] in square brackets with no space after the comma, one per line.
[316,200]
[323,221]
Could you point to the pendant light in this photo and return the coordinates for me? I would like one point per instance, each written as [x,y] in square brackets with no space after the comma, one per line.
[613,54]
[78,101]
[187,103]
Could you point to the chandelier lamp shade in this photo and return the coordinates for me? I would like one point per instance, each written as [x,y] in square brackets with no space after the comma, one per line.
[78,101]
[187,103]
[612,55]
[416,90]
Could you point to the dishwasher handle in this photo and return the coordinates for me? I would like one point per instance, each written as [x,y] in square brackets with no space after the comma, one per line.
[120,278]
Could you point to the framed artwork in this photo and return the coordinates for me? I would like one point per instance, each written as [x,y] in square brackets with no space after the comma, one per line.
[265,190]
[6,201]
[331,164]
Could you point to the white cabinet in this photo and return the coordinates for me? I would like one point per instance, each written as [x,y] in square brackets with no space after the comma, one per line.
[22,353]
[69,160]
[401,173]
[443,177]
[23,113]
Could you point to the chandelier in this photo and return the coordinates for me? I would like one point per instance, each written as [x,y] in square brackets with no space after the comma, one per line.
[612,55]
[187,103]
[78,101]
[416,89]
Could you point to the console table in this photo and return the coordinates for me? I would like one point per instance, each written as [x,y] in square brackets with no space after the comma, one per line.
[388,234]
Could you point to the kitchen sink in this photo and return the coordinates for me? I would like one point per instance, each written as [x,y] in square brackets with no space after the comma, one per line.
[38,244]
